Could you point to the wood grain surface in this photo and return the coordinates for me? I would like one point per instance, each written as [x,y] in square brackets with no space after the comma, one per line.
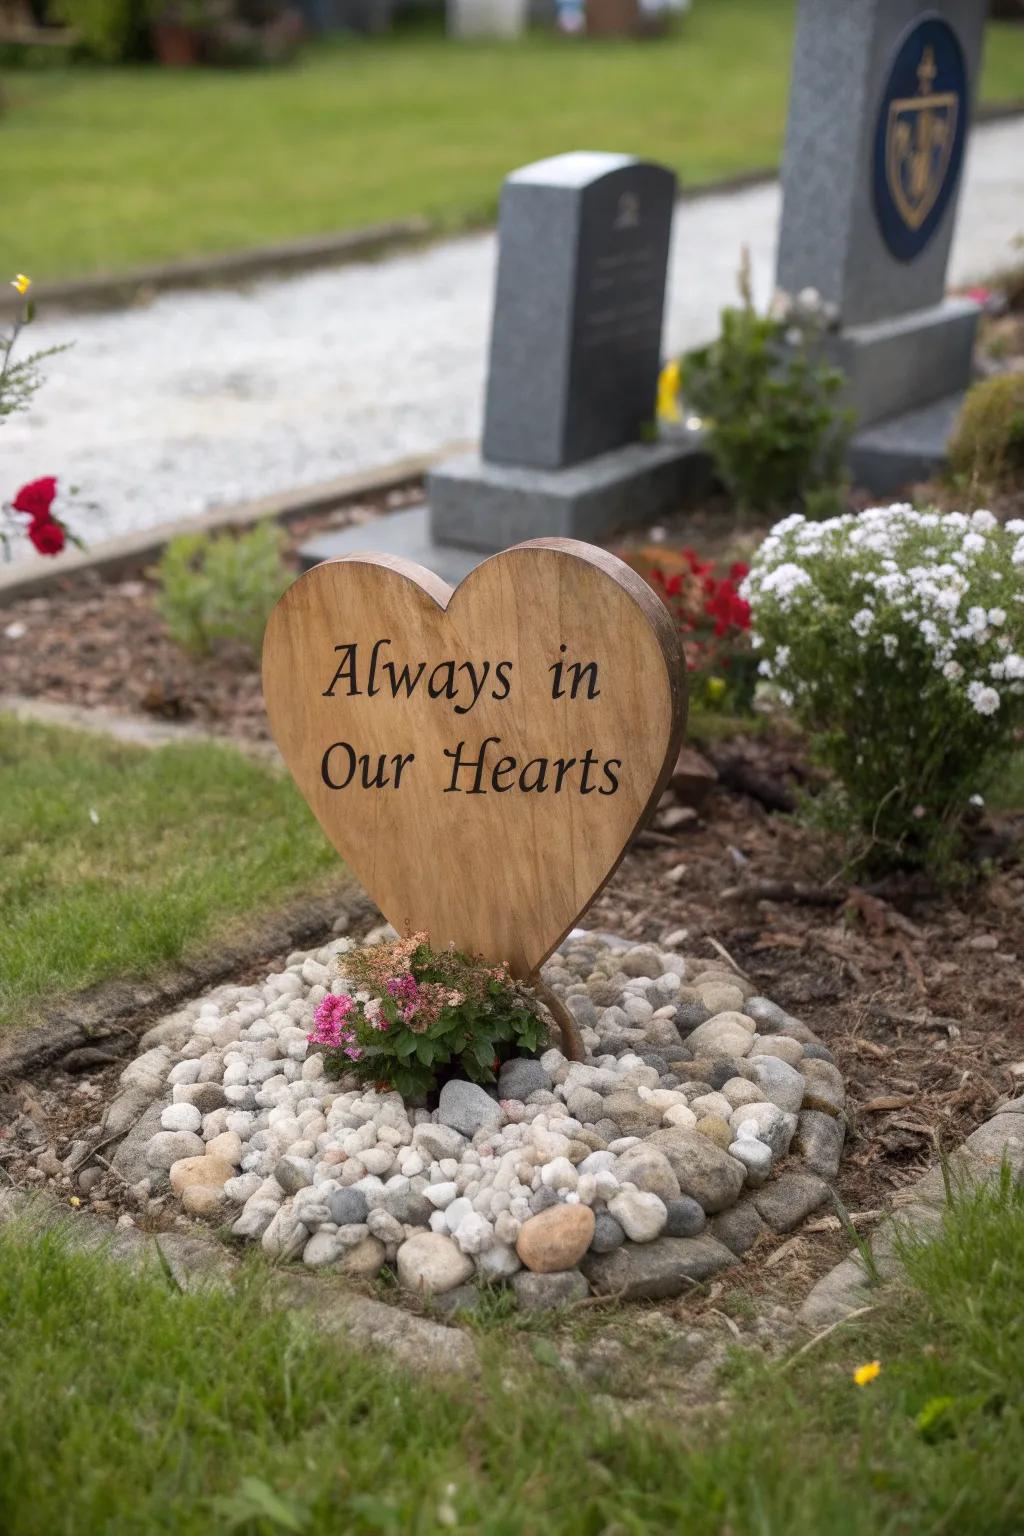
[480,758]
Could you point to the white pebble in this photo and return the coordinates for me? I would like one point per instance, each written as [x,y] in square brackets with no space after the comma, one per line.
[181,1117]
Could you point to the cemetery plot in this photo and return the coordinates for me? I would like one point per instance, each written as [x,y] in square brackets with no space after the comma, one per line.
[704,1116]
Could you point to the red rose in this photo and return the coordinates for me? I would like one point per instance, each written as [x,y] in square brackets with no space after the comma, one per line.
[47,536]
[36,498]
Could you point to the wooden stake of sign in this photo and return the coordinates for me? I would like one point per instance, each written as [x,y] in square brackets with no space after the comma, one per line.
[480,758]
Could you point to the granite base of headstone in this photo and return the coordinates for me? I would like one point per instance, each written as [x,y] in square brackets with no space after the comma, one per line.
[406,534]
[879,110]
[489,506]
[575,353]
[905,449]
[574,361]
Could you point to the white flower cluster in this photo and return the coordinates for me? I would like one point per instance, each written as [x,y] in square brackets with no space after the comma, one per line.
[945,584]
[804,310]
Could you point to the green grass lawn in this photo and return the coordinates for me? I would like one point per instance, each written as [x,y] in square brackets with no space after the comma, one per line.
[107,168]
[115,861]
[129,1408]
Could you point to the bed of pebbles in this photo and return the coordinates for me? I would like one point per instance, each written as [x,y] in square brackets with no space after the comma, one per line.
[702,1115]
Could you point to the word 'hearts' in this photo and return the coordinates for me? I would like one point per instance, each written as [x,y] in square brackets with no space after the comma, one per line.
[480,758]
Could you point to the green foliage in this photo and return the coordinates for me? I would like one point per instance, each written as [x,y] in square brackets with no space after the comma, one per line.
[769,407]
[897,638]
[432,1014]
[220,587]
[20,377]
[110,30]
[986,450]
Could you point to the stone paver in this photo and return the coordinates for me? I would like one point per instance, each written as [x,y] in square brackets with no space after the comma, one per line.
[203,399]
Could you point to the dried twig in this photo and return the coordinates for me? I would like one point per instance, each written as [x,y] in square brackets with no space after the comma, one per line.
[785,890]
[721,949]
[726,1319]
[791,1359]
[648,838]
[833,1224]
[88,1156]
[111,1169]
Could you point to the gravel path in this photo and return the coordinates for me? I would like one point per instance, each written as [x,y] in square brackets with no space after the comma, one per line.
[211,398]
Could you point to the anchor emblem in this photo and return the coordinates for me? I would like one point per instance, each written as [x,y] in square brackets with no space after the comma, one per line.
[920,136]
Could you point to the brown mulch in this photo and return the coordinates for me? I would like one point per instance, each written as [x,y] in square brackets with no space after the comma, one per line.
[99,642]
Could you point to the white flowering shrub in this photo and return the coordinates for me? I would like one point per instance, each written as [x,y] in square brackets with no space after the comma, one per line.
[897,638]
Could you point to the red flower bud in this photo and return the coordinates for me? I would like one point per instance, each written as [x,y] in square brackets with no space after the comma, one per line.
[36,498]
[47,536]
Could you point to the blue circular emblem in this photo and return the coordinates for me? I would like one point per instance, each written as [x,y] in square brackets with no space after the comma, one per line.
[919,136]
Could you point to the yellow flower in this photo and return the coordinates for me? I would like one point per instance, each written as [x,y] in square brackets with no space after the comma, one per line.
[21,283]
[668,392]
[866,1373]
[74,1201]
[716,688]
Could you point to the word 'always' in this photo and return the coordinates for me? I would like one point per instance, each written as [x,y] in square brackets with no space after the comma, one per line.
[444,680]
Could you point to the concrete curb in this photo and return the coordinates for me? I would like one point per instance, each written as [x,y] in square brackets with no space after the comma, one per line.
[918,1211]
[103,1012]
[26,578]
[133,730]
[197,1260]
[114,290]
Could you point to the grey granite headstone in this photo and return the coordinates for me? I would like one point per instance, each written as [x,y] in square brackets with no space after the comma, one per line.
[574,360]
[572,378]
[880,103]
[576,332]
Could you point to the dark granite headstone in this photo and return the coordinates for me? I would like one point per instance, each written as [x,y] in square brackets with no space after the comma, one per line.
[574,361]
[576,333]
[879,108]
[572,380]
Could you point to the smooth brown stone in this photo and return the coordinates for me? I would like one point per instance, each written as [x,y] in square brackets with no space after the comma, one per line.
[556,1239]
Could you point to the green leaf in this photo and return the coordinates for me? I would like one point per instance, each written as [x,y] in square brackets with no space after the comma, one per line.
[426,1049]
[483,1050]
[253,1501]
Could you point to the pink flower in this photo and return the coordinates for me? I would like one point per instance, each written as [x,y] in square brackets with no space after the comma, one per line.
[330,1022]
[403,988]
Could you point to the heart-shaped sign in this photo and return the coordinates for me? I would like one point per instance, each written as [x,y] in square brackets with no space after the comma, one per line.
[479,757]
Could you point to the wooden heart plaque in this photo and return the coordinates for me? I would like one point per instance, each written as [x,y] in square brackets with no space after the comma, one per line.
[479,757]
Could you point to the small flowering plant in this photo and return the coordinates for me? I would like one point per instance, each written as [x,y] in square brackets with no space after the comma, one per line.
[35,513]
[19,380]
[897,638]
[415,1015]
[713,621]
[19,376]
[769,403]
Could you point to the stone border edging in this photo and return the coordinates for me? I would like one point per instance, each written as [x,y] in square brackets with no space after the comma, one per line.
[113,290]
[147,731]
[917,1210]
[196,1260]
[101,1011]
[24,578]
